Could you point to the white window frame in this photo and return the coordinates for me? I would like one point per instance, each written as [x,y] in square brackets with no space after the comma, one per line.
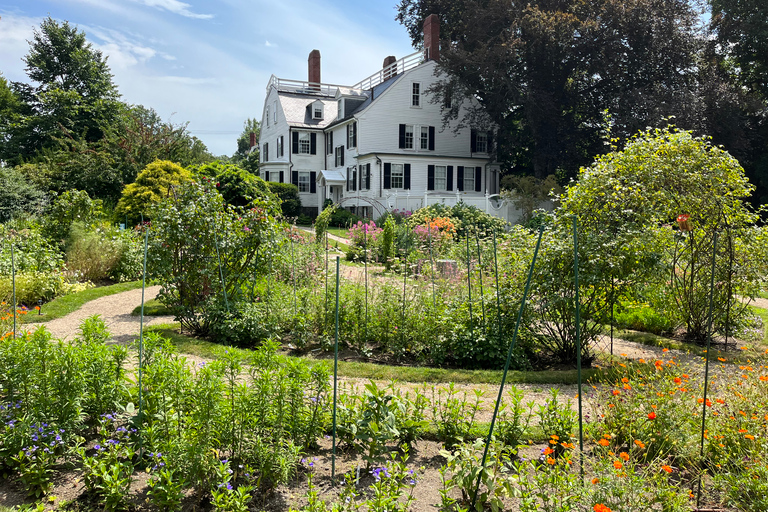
[416,94]
[441,177]
[337,153]
[408,142]
[279,153]
[469,179]
[317,111]
[340,105]
[304,185]
[481,142]
[267,116]
[424,138]
[397,172]
[351,137]
[304,143]
[274,113]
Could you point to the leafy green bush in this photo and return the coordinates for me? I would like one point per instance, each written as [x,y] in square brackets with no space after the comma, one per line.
[32,252]
[465,218]
[152,185]
[70,207]
[235,184]
[18,195]
[289,195]
[93,254]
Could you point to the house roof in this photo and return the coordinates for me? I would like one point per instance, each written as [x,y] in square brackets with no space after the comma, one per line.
[334,177]
[377,91]
[296,112]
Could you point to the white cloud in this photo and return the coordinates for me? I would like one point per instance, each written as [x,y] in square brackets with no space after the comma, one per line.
[15,31]
[176,7]
[124,51]
[268,44]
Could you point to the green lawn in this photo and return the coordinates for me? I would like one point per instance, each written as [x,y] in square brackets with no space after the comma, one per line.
[62,306]
[341,232]
[152,308]
[189,345]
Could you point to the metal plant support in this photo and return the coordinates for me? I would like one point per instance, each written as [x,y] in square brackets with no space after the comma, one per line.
[578,341]
[335,376]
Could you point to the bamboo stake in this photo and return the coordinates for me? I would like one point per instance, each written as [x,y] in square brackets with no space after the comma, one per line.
[335,376]
[141,334]
[480,268]
[469,288]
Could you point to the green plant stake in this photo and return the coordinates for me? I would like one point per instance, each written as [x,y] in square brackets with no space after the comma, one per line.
[13,287]
[431,263]
[405,279]
[578,341]
[365,267]
[221,270]
[506,365]
[293,274]
[480,268]
[469,289]
[335,376]
[141,332]
[706,360]
[496,269]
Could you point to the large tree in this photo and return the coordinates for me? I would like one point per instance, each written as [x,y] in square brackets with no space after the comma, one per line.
[546,71]
[244,157]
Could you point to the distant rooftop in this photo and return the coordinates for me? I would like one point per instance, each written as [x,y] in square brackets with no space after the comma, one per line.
[320,89]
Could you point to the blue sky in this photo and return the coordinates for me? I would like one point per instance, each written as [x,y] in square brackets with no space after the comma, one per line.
[208,62]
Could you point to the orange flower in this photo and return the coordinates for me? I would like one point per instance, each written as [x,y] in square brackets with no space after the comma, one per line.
[554,436]
[743,431]
[721,359]
[615,392]
[665,350]
[666,468]
[639,444]
[603,442]
[624,380]
[550,461]
[678,380]
[651,415]
[548,451]
[601,508]
[624,456]
[595,481]
[617,464]
[749,436]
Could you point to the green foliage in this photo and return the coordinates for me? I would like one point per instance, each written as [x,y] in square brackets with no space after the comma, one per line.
[192,231]
[18,195]
[236,185]
[387,247]
[152,185]
[102,252]
[465,218]
[289,195]
[69,207]
[322,222]
[244,157]
[528,192]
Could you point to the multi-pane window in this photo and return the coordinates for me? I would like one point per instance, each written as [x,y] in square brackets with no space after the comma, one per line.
[425,137]
[265,153]
[273,176]
[317,111]
[304,181]
[339,156]
[469,179]
[416,96]
[280,146]
[408,136]
[397,177]
[481,142]
[351,138]
[441,177]
[340,104]
[304,143]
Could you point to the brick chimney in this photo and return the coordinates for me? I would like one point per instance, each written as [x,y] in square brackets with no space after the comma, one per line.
[432,37]
[388,62]
[253,139]
[314,70]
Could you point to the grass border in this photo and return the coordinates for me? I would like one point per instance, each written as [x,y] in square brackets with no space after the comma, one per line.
[416,374]
[64,305]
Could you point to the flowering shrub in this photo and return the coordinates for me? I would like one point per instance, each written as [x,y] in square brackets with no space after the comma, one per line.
[364,238]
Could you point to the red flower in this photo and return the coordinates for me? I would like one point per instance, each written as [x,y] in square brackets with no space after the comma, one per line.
[651,415]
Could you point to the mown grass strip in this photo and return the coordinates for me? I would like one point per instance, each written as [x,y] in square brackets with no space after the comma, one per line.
[152,308]
[62,306]
[188,345]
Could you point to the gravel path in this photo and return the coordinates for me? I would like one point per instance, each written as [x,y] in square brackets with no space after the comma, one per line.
[115,310]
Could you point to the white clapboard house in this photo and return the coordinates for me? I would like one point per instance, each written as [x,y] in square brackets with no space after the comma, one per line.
[377,145]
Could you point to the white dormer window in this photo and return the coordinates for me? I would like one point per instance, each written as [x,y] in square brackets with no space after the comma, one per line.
[317,110]
[341,108]
[416,95]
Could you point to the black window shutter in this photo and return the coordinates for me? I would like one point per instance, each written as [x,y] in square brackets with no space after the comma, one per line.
[295,148]
[341,150]
[361,177]
[354,179]
[478,179]
[387,175]
[295,178]
[473,143]
[329,149]
[460,178]
[348,126]
[354,134]
[312,143]
[312,182]
[431,138]
[282,177]
[349,172]
[367,176]
[266,152]
[430,177]
[407,176]
[401,145]
[449,180]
